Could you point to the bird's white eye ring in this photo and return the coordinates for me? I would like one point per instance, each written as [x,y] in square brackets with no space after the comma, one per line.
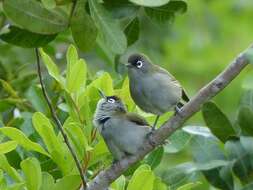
[139,64]
[111,100]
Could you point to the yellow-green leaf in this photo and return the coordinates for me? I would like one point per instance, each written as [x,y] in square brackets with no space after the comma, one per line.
[7,146]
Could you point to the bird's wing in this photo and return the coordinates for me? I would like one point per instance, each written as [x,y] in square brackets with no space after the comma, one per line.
[173,79]
[184,96]
[137,119]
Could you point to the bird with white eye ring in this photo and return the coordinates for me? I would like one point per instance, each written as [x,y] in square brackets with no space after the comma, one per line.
[124,133]
[153,88]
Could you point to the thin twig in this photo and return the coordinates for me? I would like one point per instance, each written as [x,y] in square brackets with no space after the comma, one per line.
[106,177]
[57,121]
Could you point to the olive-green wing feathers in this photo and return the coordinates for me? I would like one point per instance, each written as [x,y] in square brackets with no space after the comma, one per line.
[137,119]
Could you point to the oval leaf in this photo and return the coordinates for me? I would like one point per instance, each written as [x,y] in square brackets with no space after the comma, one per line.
[8,146]
[150,3]
[40,19]
[217,121]
[24,38]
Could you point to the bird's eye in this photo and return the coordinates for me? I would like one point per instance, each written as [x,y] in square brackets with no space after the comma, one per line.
[139,64]
[111,100]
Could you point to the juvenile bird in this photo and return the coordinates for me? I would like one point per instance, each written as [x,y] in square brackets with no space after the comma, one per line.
[123,132]
[153,88]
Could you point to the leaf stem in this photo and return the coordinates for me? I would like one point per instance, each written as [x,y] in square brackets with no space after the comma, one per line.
[56,119]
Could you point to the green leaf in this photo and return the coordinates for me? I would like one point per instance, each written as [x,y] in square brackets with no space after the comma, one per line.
[51,67]
[7,146]
[55,146]
[247,99]
[166,12]
[119,184]
[132,31]
[83,28]
[143,178]
[179,175]
[112,34]
[242,167]
[68,182]
[40,19]
[150,3]
[248,187]
[32,171]
[72,58]
[189,186]
[245,120]
[25,38]
[155,157]
[49,4]
[47,181]
[12,172]
[159,185]
[246,143]
[177,141]
[77,76]
[9,88]
[22,140]
[217,121]
[205,150]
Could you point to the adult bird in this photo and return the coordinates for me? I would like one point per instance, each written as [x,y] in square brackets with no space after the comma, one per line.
[153,88]
[123,132]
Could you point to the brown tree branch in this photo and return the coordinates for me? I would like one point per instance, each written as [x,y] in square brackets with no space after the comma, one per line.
[57,121]
[106,177]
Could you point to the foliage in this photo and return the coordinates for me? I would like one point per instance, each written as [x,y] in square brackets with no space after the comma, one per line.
[216,152]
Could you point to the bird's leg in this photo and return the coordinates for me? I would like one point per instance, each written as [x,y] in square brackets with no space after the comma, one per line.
[178,109]
[156,120]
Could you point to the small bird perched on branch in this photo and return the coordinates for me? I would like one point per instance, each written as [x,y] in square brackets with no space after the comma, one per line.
[153,88]
[123,132]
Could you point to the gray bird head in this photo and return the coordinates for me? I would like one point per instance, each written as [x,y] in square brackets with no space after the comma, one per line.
[107,106]
[139,63]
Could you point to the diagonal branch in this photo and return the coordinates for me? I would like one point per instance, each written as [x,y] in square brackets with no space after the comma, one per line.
[57,121]
[106,177]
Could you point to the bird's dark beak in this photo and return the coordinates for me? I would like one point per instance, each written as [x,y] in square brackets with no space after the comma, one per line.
[101,93]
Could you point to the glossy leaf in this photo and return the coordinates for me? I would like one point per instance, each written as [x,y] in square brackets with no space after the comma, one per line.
[150,3]
[25,38]
[68,182]
[47,181]
[40,19]
[217,121]
[72,58]
[245,120]
[111,32]
[155,157]
[132,31]
[83,28]
[32,171]
[119,184]
[159,185]
[22,140]
[77,76]
[7,146]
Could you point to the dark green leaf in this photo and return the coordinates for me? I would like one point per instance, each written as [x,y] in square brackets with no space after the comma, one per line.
[112,34]
[155,157]
[83,28]
[242,166]
[166,12]
[217,121]
[24,38]
[132,31]
[245,120]
[31,15]
[248,187]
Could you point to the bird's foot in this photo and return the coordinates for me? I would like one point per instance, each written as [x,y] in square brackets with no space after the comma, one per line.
[178,111]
